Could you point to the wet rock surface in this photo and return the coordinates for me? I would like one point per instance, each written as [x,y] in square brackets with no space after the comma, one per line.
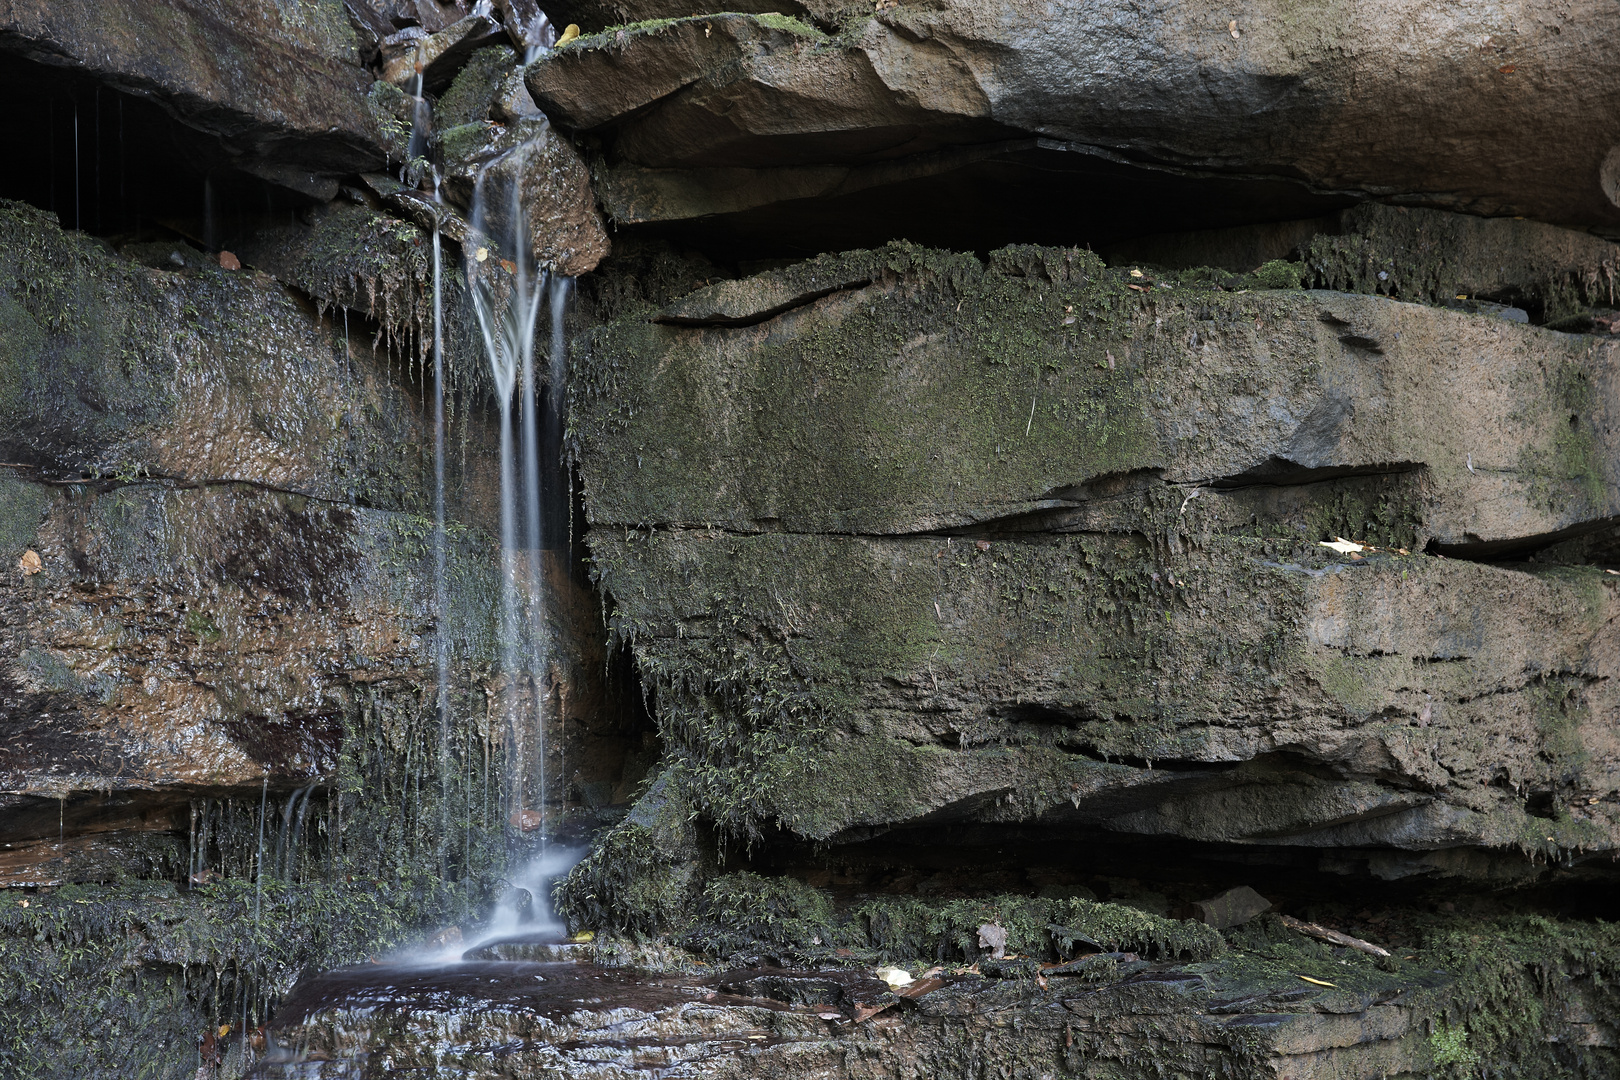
[532,172]
[212,537]
[765,1022]
[1241,1014]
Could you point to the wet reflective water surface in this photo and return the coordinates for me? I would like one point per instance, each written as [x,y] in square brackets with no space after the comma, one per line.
[488,1017]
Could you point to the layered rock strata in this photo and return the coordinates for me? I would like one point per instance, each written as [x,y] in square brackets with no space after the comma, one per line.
[212,538]
[902,539]
[1001,617]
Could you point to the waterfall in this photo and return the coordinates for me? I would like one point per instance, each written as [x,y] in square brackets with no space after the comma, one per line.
[507,297]
[441,588]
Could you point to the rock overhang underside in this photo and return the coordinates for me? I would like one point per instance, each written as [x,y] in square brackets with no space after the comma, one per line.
[818,130]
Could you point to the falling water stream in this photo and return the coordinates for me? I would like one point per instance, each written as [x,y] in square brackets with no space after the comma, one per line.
[507,297]
[510,296]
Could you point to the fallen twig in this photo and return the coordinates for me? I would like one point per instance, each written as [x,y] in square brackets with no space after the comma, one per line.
[1322,933]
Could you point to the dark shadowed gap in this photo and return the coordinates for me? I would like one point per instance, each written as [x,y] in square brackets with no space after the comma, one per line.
[117,165]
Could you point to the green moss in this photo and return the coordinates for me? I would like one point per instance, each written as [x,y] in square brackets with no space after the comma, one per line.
[1045,928]
[122,981]
[381,267]
[1385,512]
[391,113]
[1432,256]
[610,34]
[469,98]
[617,35]
[641,876]
[458,144]
[743,912]
[1355,681]
[1450,1048]
[1276,274]
[788,24]
[1517,980]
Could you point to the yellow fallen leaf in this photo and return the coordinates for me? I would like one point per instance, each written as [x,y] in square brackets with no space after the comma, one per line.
[1316,982]
[224,1030]
[894,976]
[1137,273]
[583,936]
[29,563]
[1341,545]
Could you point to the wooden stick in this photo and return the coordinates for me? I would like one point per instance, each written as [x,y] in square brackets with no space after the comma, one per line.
[1322,933]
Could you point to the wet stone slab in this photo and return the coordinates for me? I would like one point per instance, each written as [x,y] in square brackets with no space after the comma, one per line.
[578,1019]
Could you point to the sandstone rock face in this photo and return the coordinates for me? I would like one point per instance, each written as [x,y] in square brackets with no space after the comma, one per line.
[211,534]
[1094,681]
[726,113]
[926,393]
[1102,532]
[1039,541]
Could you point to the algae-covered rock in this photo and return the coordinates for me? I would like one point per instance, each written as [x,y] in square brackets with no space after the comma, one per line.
[223,497]
[122,372]
[944,393]
[347,255]
[643,875]
[469,98]
[1128,481]
[836,683]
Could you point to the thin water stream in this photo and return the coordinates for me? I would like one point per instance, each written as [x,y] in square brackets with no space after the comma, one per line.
[510,296]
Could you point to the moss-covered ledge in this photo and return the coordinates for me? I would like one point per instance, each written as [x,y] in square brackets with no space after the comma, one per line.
[825,683]
[933,391]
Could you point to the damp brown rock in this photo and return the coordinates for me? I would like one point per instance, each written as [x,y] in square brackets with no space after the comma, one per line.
[535,179]
[757,111]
